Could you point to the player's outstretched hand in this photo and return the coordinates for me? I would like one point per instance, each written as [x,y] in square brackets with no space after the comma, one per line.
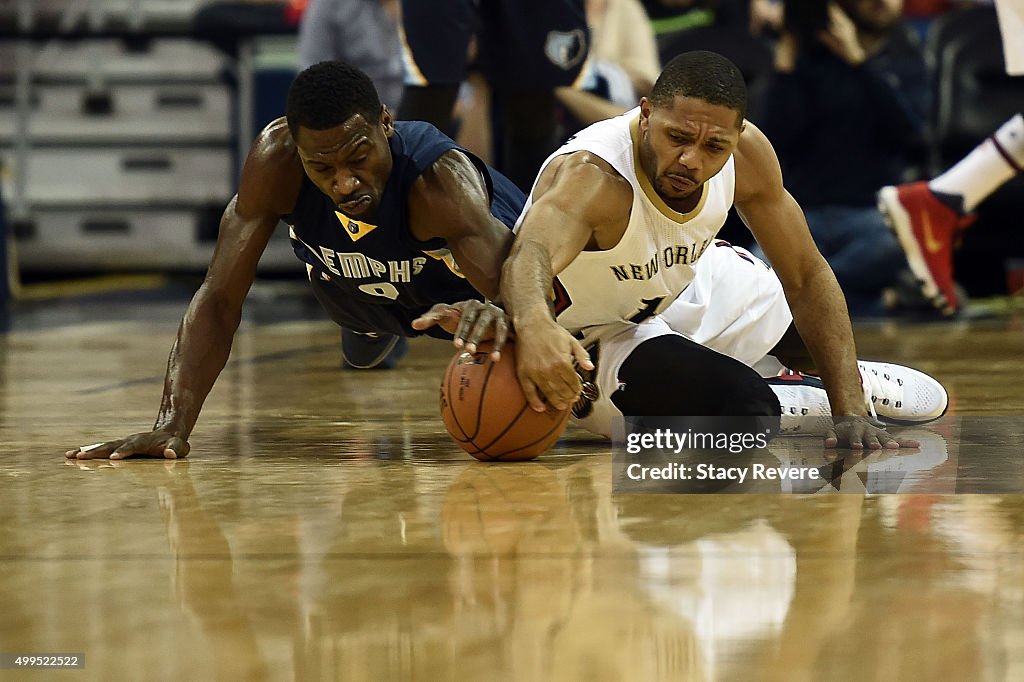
[863,432]
[545,354]
[159,444]
[470,322]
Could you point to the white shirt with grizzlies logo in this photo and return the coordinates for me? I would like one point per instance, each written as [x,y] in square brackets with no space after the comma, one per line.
[654,261]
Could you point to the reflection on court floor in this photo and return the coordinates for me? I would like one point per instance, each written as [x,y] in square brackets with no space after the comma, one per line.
[325,527]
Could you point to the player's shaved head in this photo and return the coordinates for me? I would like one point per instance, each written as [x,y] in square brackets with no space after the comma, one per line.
[707,76]
[329,93]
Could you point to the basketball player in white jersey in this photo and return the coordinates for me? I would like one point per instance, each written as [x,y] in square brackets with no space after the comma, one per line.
[623,219]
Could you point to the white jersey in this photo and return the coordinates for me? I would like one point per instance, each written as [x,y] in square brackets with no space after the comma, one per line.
[654,261]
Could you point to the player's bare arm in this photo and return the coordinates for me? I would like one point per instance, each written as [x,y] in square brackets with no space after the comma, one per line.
[580,203]
[819,308]
[450,201]
[270,182]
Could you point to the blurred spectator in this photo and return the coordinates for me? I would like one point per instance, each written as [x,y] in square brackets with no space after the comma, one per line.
[526,49]
[847,111]
[226,24]
[766,16]
[624,63]
[363,33]
[622,34]
[473,117]
[919,13]
[672,17]
[722,26]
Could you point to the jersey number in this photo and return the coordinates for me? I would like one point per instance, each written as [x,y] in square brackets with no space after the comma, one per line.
[650,305]
[385,289]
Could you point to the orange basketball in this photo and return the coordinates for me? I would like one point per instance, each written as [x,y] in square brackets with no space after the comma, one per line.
[486,413]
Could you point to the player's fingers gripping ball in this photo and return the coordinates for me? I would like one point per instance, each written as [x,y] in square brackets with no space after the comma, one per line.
[485,410]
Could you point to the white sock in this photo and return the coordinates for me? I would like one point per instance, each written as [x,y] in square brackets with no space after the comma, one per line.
[987,167]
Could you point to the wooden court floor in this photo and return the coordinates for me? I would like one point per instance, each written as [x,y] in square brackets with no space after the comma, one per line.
[324,528]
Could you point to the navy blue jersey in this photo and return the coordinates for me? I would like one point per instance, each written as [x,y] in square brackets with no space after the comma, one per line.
[375,276]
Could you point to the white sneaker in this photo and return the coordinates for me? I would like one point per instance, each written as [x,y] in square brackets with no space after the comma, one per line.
[901,395]
[805,407]
[892,393]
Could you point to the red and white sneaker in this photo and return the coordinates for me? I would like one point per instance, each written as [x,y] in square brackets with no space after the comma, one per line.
[925,228]
[893,394]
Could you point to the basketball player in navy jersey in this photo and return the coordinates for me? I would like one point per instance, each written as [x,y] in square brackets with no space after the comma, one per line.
[664,319]
[390,218]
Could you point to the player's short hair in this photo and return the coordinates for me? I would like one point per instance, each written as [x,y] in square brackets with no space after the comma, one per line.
[327,94]
[707,76]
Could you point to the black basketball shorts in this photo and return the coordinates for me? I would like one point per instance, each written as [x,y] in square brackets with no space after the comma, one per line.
[520,43]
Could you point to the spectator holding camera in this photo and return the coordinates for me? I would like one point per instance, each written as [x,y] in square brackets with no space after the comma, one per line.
[847,110]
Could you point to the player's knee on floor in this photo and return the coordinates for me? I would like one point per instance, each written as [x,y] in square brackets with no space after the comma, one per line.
[371,351]
[673,376]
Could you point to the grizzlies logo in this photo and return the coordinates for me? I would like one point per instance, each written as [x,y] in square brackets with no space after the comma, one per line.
[566,49]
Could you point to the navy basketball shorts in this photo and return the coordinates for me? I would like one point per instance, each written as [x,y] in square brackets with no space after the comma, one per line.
[521,44]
